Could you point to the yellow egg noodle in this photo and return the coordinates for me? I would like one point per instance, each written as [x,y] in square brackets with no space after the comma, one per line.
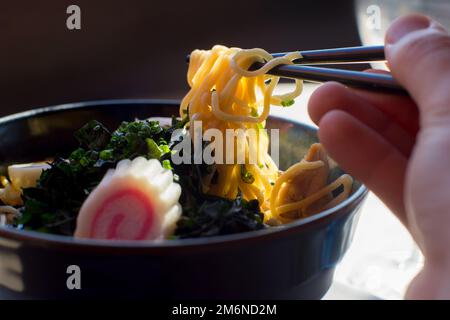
[225,95]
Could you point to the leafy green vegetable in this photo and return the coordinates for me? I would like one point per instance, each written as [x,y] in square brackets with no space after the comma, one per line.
[61,190]
[219,216]
[130,139]
[287,103]
[93,136]
[53,205]
[205,215]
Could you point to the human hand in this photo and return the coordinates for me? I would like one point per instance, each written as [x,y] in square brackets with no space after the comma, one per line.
[399,147]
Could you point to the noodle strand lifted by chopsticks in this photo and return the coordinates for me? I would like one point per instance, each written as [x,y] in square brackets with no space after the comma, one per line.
[225,94]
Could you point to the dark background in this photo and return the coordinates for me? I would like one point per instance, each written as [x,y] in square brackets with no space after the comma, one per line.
[137,48]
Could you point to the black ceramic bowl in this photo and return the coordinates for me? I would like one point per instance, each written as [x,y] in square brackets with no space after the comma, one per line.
[296,261]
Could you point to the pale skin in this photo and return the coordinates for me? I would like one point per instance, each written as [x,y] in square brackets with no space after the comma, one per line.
[400,146]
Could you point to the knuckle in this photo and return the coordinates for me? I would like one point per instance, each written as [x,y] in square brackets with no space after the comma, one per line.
[422,64]
[434,45]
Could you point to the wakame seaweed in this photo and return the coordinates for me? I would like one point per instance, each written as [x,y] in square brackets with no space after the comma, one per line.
[218,216]
[53,205]
[206,215]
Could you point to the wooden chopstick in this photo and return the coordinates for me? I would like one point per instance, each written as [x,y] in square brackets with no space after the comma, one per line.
[357,79]
[361,54]
[363,80]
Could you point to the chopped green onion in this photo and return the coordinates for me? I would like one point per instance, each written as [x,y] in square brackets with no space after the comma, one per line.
[246,176]
[164,148]
[166,165]
[106,155]
[287,103]
[77,154]
[84,162]
[154,151]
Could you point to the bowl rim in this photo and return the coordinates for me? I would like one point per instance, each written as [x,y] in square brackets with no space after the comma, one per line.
[52,240]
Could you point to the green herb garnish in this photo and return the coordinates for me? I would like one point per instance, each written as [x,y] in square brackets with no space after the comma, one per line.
[246,176]
[287,103]
[154,151]
[166,165]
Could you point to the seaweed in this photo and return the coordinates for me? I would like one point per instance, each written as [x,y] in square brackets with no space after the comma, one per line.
[53,205]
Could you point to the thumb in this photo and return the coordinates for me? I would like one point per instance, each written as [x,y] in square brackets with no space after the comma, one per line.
[418,53]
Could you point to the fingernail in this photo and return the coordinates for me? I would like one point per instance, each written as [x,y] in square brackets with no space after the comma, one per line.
[405,25]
